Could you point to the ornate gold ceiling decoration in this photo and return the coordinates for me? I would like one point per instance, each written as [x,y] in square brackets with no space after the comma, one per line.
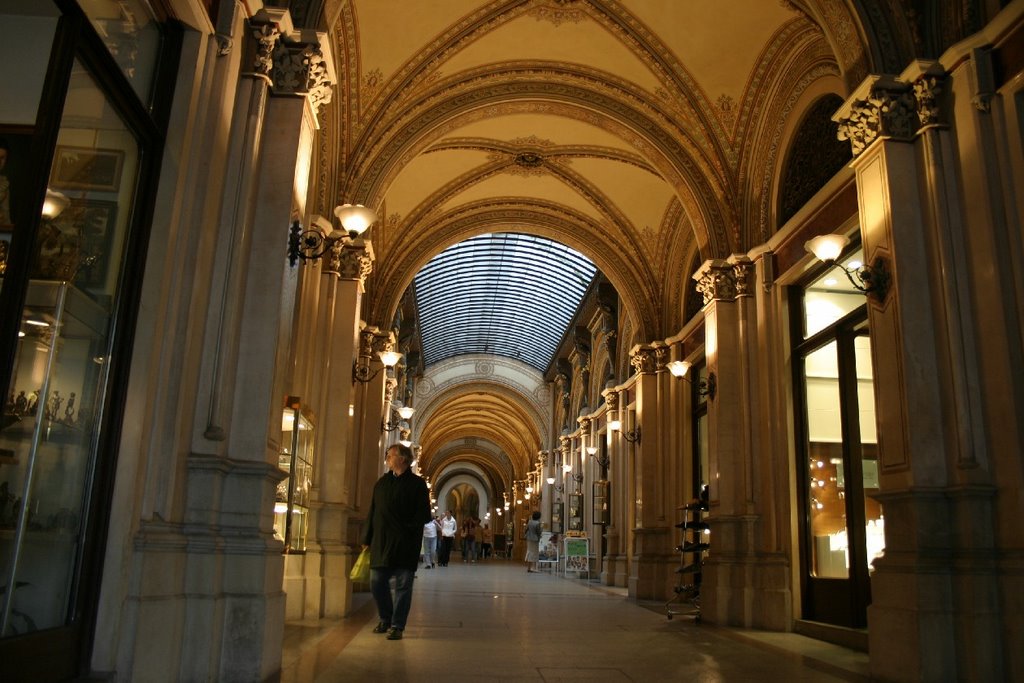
[558,12]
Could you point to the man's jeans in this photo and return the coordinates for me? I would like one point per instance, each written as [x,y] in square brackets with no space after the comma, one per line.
[469,550]
[396,611]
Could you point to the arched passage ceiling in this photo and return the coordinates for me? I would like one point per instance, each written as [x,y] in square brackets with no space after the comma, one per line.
[637,132]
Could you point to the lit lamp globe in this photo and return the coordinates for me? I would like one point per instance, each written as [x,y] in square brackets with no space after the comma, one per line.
[827,248]
[679,368]
[355,218]
[54,204]
[390,358]
[405,412]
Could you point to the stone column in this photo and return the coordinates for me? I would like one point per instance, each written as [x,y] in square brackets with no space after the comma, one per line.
[328,551]
[652,562]
[372,408]
[935,593]
[721,601]
[615,571]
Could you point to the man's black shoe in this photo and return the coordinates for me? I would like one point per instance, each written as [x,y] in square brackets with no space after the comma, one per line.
[394,633]
[381,627]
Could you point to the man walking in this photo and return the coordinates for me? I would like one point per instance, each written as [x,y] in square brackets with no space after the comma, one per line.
[394,533]
[448,527]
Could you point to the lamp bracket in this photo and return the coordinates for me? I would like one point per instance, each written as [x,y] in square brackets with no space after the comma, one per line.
[873,280]
[632,436]
[362,373]
[308,245]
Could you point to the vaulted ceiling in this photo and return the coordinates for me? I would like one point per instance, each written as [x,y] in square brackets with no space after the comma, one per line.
[647,135]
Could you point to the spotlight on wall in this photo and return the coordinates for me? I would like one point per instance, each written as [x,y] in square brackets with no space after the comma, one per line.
[706,387]
[361,367]
[873,280]
[310,245]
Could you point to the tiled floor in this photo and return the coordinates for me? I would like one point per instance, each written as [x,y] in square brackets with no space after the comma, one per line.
[493,621]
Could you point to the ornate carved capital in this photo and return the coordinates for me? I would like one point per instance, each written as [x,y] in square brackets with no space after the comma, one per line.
[886,109]
[743,273]
[611,399]
[266,36]
[382,341]
[716,281]
[662,354]
[367,335]
[390,384]
[350,260]
[301,69]
[928,91]
[584,423]
[641,357]
[543,456]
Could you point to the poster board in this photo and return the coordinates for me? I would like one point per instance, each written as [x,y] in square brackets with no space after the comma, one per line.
[577,555]
[548,551]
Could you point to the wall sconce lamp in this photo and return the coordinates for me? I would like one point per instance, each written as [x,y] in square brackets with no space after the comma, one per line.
[361,368]
[631,435]
[707,387]
[873,280]
[310,245]
[602,460]
[400,417]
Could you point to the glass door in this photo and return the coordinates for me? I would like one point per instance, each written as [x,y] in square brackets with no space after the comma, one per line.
[841,524]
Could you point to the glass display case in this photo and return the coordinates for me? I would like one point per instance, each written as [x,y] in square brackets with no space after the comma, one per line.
[291,506]
[47,451]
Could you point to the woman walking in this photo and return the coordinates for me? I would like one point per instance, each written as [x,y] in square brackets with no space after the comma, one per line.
[533,530]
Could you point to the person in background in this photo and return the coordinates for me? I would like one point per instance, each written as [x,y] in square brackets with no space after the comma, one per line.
[485,541]
[533,530]
[399,509]
[469,539]
[448,528]
[431,530]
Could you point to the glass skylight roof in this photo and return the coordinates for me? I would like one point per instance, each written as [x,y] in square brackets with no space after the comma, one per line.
[506,293]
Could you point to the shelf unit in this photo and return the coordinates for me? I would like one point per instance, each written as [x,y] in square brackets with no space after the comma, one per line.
[691,551]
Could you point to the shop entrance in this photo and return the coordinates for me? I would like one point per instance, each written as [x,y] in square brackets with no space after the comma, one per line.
[841,525]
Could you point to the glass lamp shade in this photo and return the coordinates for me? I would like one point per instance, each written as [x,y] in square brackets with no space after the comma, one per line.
[827,247]
[591,450]
[615,425]
[390,358]
[551,480]
[54,204]
[355,218]
[405,412]
[679,368]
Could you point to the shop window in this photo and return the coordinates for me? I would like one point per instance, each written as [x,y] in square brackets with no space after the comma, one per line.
[51,421]
[291,507]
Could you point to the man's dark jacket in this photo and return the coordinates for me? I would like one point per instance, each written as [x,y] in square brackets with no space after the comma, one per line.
[398,511]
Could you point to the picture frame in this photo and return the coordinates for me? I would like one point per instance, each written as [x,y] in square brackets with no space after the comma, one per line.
[87,168]
[85,230]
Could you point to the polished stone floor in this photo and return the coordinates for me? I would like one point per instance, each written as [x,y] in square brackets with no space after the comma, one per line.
[493,621]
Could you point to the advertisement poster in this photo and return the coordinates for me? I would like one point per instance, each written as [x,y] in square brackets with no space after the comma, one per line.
[577,555]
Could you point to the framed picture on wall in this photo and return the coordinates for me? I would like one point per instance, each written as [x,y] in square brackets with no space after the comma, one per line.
[85,168]
[76,244]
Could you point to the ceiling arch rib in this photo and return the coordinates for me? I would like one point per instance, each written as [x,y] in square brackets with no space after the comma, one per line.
[506,294]
[652,130]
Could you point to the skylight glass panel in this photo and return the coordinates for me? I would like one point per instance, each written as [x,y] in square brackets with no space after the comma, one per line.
[507,294]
